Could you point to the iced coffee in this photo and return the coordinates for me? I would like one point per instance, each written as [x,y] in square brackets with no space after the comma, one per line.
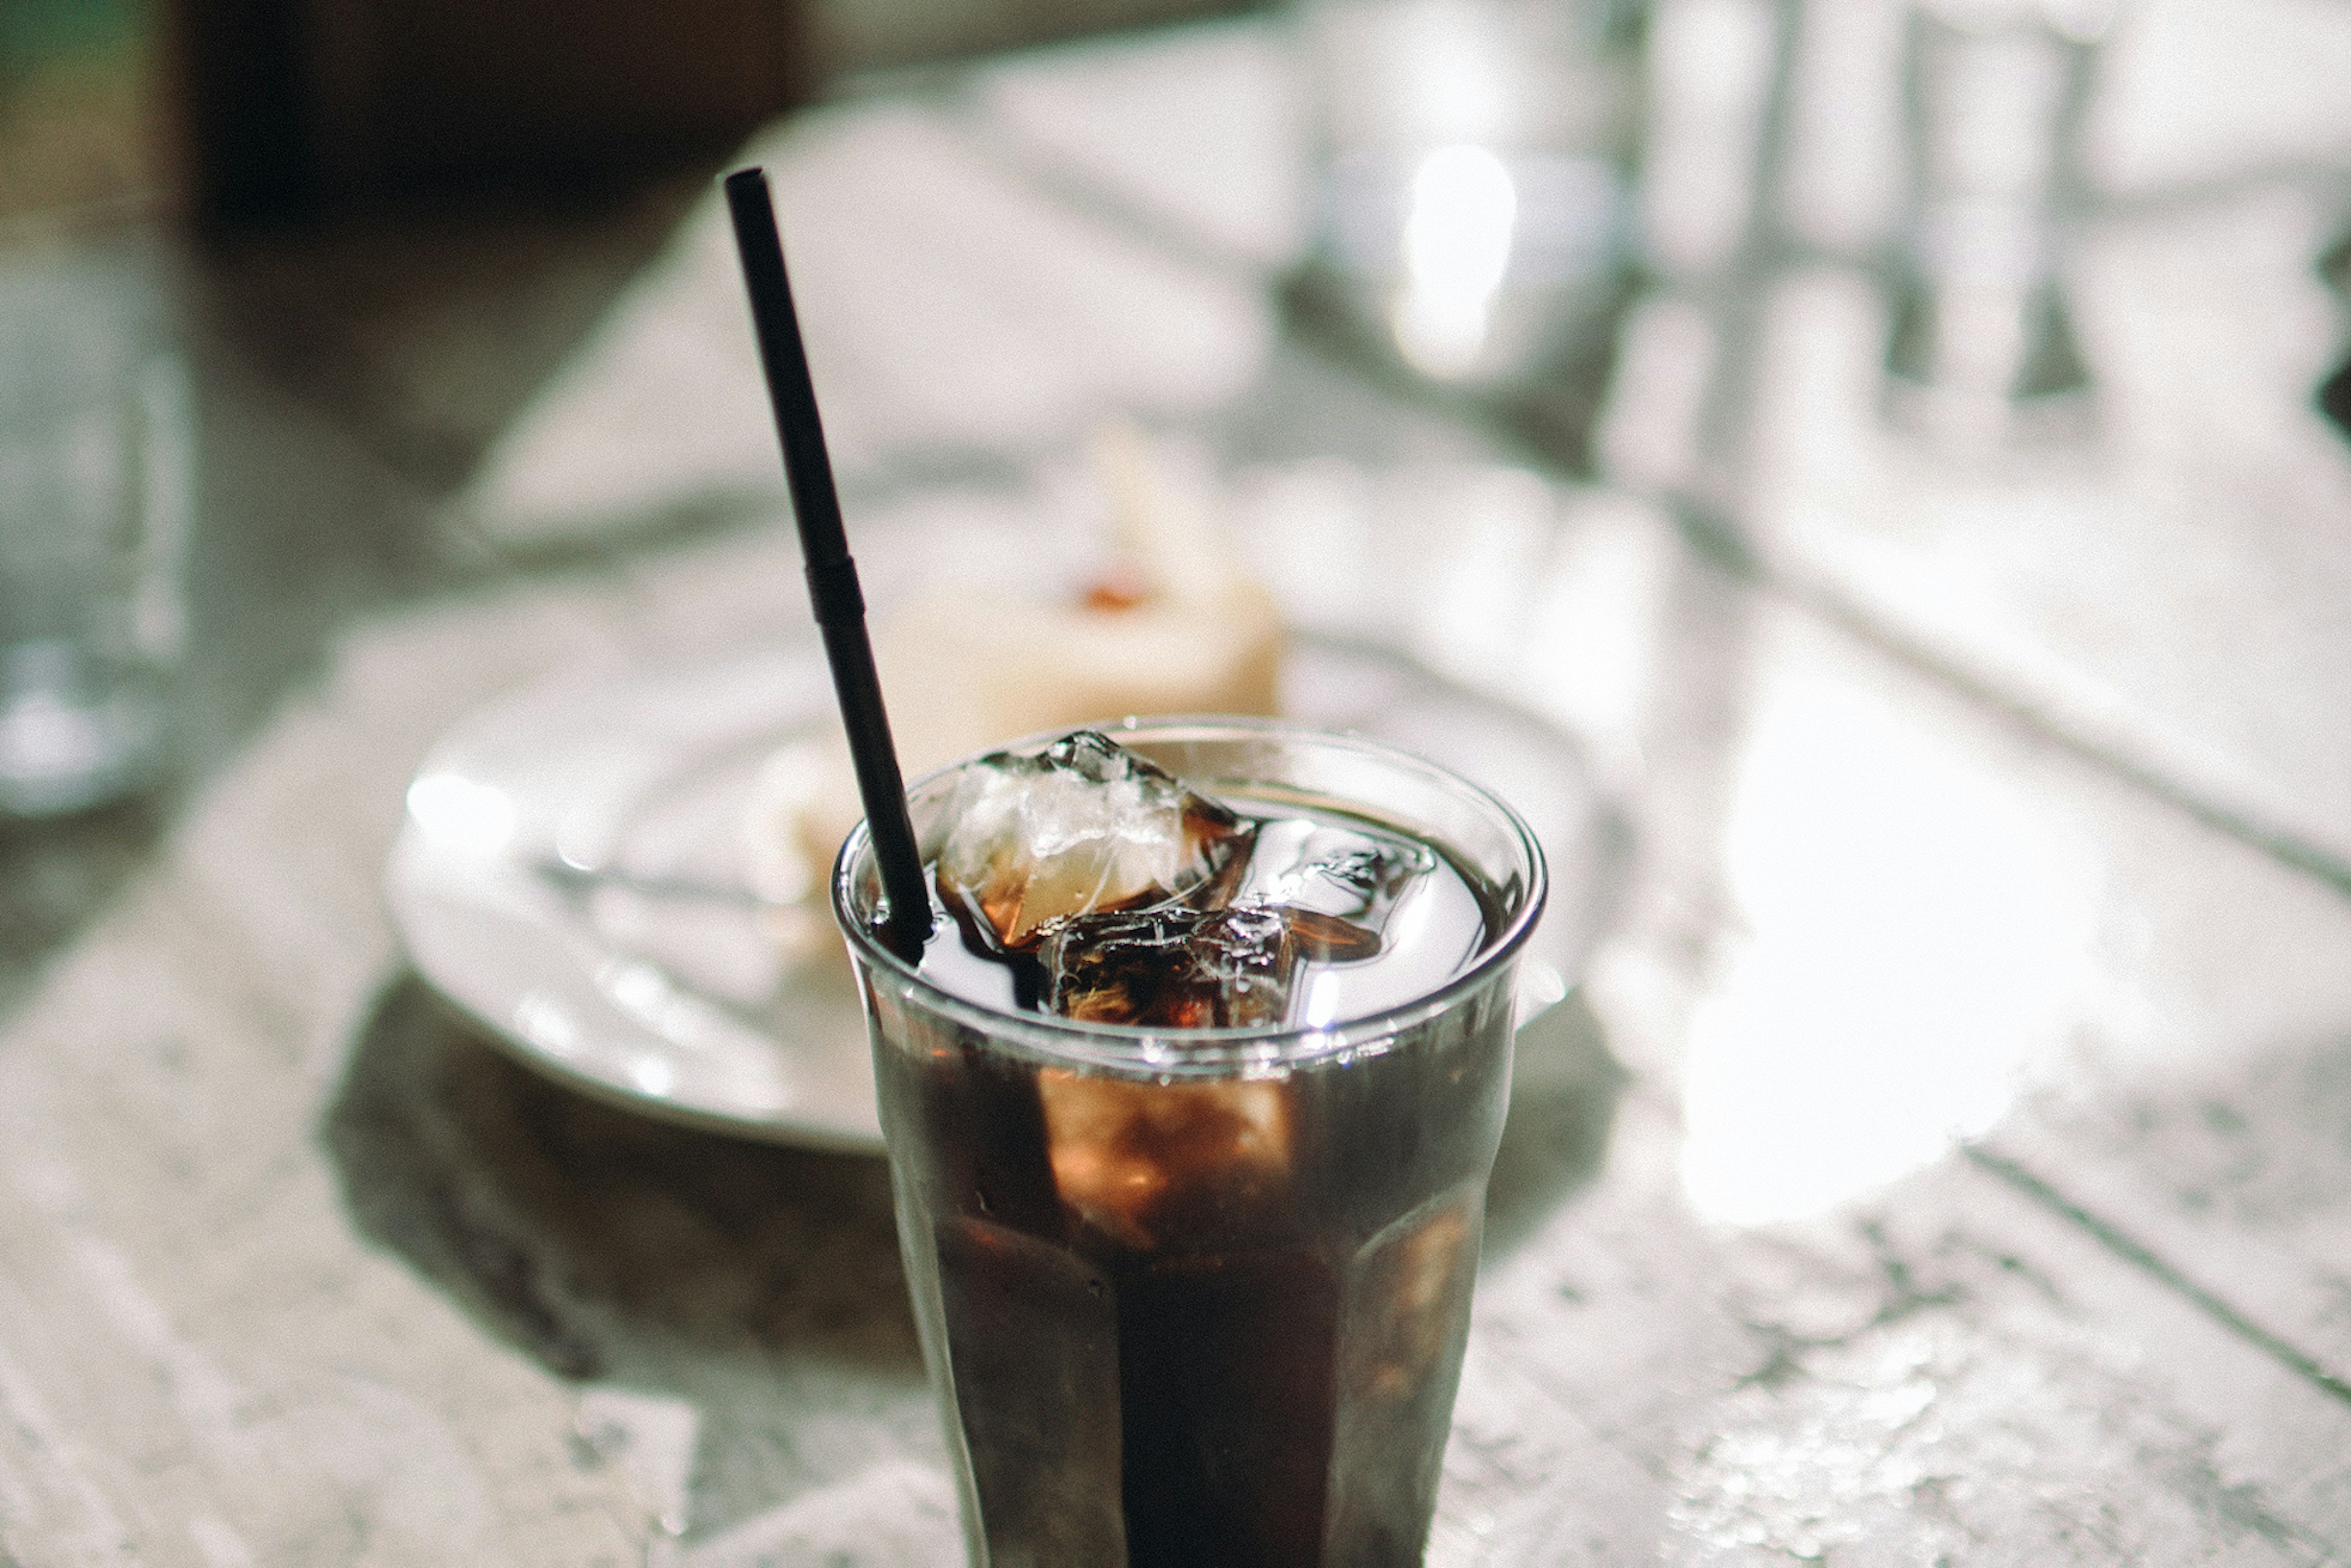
[1191,1102]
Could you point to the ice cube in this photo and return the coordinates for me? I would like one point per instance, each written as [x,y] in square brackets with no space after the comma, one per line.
[1084,825]
[1339,884]
[1138,1160]
[1172,966]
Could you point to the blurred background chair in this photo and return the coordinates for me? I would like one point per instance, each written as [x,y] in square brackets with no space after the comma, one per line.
[286,108]
[275,110]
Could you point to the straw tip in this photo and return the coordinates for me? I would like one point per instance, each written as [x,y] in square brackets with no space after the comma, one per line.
[742,178]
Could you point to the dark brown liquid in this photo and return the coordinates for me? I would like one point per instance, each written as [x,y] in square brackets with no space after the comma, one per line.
[1204,1321]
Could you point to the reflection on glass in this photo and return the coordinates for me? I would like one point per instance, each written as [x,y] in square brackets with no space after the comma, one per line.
[1456,246]
[1917,933]
[548,1024]
[461,816]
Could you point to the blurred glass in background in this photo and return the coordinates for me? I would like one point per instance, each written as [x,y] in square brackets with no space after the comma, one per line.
[2334,395]
[1982,340]
[1474,168]
[96,441]
[95,492]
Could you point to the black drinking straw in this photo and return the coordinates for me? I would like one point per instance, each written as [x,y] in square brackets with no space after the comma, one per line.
[831,574]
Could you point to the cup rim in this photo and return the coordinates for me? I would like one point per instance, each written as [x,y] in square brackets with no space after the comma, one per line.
[1262,1049]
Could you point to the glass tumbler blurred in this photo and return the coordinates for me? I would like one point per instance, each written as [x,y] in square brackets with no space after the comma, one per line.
[95,491]
[1473,206]
[1981,339]
[1198,1297]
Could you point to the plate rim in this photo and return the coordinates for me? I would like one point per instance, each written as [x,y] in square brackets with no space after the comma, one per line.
[406,889]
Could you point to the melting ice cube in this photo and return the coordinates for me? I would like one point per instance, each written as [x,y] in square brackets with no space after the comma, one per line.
[1172,966]
[1083,825]
[1338,884]
[1307,890]
[1138,1160]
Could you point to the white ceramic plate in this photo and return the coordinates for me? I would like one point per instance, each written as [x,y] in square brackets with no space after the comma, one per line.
[571,871]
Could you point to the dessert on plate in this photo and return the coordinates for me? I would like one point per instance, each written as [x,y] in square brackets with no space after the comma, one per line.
[1168,623]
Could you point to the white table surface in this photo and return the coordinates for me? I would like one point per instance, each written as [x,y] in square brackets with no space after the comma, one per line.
[1944,1160]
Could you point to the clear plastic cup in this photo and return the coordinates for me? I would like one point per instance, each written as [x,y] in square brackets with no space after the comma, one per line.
[1200,1296]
